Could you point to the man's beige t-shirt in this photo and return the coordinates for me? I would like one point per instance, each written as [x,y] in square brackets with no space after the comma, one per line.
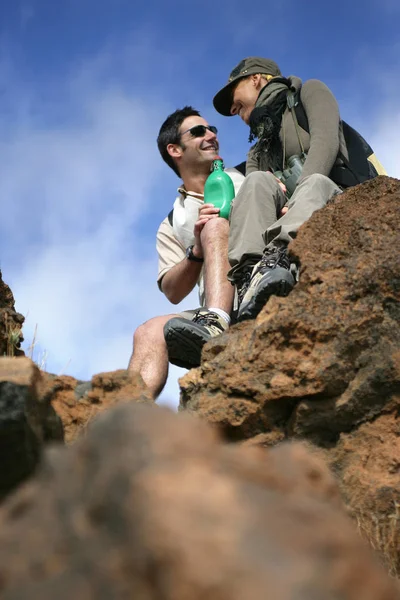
[172,240]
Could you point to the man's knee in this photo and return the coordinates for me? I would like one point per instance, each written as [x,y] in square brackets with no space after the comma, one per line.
[152,331]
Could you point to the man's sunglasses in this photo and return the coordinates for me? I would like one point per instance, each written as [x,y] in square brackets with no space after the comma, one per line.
[200,130]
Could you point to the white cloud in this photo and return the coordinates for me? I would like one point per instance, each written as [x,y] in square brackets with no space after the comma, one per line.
[73,246]
[78,178]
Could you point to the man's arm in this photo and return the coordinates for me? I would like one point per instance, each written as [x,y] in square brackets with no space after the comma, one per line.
[177,276]
[180,280]
[323,119]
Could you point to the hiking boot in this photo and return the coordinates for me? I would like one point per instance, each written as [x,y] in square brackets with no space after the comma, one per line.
[242,282]
[272,276]
[185,339]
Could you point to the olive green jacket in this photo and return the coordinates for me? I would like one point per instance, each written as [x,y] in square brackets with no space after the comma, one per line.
[325,138]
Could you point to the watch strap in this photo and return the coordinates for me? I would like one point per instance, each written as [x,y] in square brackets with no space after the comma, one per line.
[191,256]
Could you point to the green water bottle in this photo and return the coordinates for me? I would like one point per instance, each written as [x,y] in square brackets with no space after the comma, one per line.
[219,189]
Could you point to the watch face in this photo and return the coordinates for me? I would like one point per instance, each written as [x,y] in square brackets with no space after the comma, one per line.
[191,256]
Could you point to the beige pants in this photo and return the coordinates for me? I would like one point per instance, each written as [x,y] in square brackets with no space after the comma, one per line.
[254,218]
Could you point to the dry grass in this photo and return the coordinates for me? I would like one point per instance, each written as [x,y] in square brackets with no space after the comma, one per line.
[383,533]
[41,359]
[13,335]
[32,345]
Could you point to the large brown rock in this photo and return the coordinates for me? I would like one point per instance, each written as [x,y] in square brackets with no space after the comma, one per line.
[78,402]
[10,323]
[27,421]
[151,505]
[324,364]
[367,464]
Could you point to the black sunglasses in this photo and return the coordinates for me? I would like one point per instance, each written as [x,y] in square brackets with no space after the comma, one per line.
[200,130]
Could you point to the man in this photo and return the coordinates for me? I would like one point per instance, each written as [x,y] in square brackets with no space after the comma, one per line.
[258,239]
[192,245]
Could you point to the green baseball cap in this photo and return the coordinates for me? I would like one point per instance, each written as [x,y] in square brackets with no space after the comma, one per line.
[248,66]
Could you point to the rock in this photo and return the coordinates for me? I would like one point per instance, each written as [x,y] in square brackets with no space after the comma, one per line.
[367,465]
[78,402]
[26,422]
[10,323]
[152,505]
[323,365]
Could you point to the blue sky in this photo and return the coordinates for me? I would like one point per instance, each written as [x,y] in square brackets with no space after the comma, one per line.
[84,88]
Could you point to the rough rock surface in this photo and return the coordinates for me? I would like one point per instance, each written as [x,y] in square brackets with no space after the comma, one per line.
[10,323]
[323,365]
[78,402]
[151,505]
[27,421]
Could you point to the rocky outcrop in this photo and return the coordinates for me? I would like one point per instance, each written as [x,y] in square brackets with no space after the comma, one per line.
[10,323]
[78,402]
[27,422]
[323,365]
[151,505]
[37,408]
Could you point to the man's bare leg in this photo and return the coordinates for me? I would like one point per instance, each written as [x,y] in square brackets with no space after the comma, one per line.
[150,356]
[214,240]
[185,339]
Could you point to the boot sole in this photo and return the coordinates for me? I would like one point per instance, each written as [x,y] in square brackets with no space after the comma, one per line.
[184,345]
[253,308]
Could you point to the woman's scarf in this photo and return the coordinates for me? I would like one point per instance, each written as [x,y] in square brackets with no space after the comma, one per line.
[265,123]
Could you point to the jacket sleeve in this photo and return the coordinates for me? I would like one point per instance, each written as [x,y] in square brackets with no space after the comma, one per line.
[323,118]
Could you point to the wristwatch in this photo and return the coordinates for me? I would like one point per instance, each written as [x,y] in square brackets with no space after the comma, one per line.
[191,256]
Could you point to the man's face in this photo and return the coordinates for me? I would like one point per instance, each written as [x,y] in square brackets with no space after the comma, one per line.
[244,98]
[196,151]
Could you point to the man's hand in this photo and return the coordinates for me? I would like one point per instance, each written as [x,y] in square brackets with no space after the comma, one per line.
[206,212]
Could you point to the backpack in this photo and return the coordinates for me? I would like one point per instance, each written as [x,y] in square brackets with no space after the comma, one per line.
[354,170]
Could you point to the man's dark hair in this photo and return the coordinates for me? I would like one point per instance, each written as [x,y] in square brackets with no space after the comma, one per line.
[169,133]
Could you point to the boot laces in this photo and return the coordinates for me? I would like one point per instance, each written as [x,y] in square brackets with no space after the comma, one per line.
[207,319]
[276,257]
[244,283]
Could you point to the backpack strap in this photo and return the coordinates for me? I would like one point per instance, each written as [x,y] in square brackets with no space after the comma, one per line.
[171,217]
[241,167]
[291,102]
